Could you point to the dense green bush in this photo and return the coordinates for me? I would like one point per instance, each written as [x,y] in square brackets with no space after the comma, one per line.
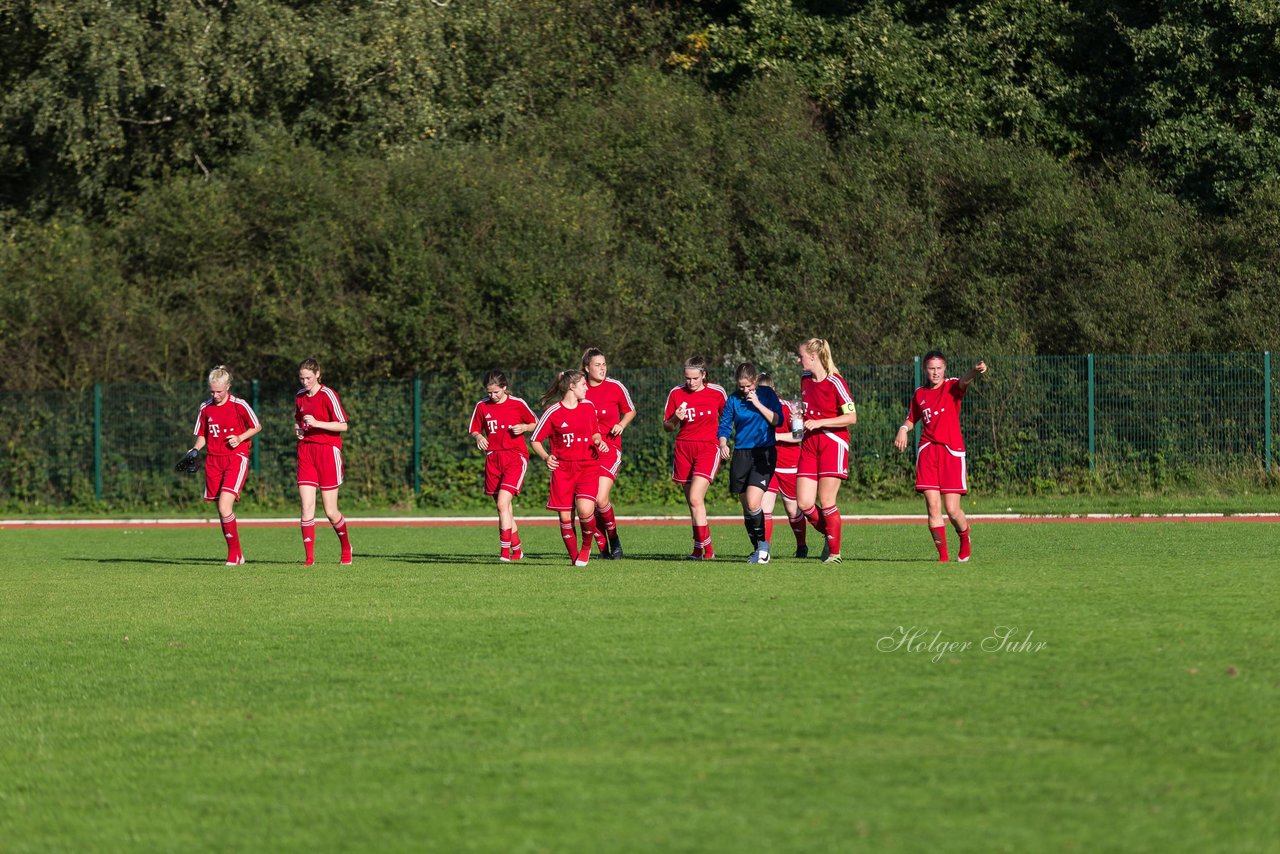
[655,221]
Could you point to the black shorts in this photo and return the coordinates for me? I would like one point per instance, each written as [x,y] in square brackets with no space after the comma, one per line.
[752,467]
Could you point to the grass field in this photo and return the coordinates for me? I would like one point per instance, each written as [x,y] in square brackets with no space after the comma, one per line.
[430,698]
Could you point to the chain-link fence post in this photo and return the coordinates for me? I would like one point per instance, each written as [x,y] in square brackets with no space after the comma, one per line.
[1092,446]
[417,435]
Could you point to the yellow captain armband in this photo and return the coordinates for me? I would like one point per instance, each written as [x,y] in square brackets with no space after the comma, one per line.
[848,409]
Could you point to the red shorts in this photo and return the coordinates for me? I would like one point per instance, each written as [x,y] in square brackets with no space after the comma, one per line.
[823,455]
[319,465]
[695,459]
[610,461]
[573,479]
[784,482]
[938,467]
[504,470]
[224,473]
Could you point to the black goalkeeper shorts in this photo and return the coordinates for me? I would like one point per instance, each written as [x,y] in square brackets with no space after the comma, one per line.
[752,467]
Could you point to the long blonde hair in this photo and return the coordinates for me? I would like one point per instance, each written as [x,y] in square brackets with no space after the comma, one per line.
[820,348]
[558,389]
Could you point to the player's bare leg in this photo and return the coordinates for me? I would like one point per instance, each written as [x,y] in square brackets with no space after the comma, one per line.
[587,521]
[933,504]
[230,530]
[606,523]
[958,520]
[695,493]
[506,526]
[807,507]
[828,493]
[329,498]
[753,518]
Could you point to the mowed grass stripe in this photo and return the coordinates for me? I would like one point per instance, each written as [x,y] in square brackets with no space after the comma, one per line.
[430,697]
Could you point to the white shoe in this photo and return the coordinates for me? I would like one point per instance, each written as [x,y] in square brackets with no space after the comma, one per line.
[238,562]
[762,556]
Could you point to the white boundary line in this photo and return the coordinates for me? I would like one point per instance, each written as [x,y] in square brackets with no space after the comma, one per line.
[445,520]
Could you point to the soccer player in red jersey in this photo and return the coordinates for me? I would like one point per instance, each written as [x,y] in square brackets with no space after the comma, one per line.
[693,413]
[784,476]
[319,422]
[498,424]
[570,423]
[940,458]
[615,412]
[225,425]
[824,452]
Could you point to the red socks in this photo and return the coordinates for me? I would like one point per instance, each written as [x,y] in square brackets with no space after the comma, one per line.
[309,541]
[964,545]
[598,525]
[589,533]
[606,522]
[232,535]
[940,540]
[504,543]
[570,539]
[814,517]
[798,528]
[768,527]
[831,521]
[340,528]
[702,542]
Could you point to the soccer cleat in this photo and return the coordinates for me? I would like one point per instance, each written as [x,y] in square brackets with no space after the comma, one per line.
[605,553]
[708,553]
[697,555]
[826,553]
[835,558]
[238,560]
[763,555]
[754,557]
[346,560]
[964,547]
[584,556]
[802,551]
[517,553]
[615,549]
[504,558]
[311,561]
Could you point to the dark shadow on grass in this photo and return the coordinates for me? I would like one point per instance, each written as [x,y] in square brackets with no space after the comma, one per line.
[188,561]
[472,560]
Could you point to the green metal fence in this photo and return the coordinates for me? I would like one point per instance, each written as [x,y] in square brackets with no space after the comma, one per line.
[1031,420]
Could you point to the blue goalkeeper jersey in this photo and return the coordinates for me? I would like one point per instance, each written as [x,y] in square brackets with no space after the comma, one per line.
[743,420]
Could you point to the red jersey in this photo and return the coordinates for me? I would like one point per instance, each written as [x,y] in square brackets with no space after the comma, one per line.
[612,401]
[938,409]
[570,430]
[702,416]
[826,399]
[219,423]
[788,452]
[495,420]
[322,406]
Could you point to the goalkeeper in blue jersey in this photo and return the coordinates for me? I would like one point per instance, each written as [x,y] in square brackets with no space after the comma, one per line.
[750,415]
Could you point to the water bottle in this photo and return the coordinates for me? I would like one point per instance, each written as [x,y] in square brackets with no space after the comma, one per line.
[797,421]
